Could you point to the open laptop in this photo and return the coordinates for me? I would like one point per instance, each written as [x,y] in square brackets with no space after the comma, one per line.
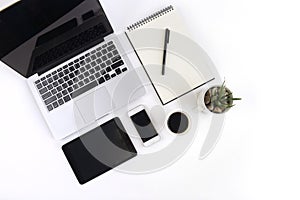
[71,58]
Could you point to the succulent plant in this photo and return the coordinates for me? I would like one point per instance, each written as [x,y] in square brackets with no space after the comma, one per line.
[219,99]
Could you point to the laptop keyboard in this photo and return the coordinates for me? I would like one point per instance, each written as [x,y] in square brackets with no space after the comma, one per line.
[70,45]
[79,76]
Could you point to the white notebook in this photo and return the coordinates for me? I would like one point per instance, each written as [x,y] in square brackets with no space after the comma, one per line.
[147,37]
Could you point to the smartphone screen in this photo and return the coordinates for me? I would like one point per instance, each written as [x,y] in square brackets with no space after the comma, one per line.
[144,126]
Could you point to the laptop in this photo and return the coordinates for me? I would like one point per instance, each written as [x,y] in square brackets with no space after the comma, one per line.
[75,65]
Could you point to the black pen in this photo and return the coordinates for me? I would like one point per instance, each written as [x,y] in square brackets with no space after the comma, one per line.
[167,40]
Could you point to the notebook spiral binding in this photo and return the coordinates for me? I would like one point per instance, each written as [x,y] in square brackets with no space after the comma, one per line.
[150,18]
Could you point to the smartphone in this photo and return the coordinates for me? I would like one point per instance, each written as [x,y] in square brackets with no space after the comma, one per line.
[144,126]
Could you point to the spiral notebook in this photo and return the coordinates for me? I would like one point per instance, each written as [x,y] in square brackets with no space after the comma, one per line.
[147,38]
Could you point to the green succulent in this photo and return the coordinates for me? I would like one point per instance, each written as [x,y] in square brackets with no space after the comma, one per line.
[219,99]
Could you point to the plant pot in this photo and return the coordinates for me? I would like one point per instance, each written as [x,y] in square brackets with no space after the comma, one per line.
[207,97]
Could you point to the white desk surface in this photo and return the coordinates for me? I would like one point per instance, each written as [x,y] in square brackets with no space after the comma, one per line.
[255,45]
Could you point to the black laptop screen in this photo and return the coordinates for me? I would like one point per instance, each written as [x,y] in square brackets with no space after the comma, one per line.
[29,23]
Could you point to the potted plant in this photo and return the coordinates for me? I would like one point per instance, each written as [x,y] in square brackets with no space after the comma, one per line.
[219,99]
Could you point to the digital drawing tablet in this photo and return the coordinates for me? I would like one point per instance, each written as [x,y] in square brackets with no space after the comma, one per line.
[99,150]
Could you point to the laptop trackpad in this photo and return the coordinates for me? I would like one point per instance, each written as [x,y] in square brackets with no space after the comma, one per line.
[95,105]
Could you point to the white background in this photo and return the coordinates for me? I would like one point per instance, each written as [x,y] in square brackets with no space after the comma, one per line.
[255,44]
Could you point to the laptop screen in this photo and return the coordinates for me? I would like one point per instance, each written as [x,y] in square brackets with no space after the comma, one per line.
[30,28]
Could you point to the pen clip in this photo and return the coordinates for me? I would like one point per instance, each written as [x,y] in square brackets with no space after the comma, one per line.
[167,35]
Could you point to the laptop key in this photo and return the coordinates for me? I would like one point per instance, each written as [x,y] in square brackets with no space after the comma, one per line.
[92,71]
[76,80]
[60,102]
[77,66]
[112,47]
[88,67]
[101,80]
[107,77]
[88,60]
[98,61]
[118,71]
[70,90]
[103,72]
[64,92]
[55,104]
[72,69]
[81,77]
[50,80]
[66,78]
[50,100]
[55,84]
[82,63]
[117,64]
[54,91]
[115,52]
[43,91]
[115,59]
[47,95]
[93,57]
[93,64]
[97,68]
[103,65]
[104,58]
[82,69]
[50,87]
[67,98]
[60,81]
[59,95]
[109,55]
[99,54]
[55,77]
[59,88]
[39,86]
[124,69]
[50,108]
[75,87]
[66,71]
[92,77]
[65,85]
[108,69]
[45,83]
[97,75]
[81,84]
[86,81]
[86,74]
[104,51]
[84,89]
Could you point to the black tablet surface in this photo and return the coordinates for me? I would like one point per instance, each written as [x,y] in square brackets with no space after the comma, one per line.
[99,150]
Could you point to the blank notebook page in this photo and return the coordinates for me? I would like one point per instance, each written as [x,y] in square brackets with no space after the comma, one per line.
[147,37]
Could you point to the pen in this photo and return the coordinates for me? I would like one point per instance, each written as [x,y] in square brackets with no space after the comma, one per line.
[167,40]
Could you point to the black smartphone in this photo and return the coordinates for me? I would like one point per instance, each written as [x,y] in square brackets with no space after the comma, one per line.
[144,126]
